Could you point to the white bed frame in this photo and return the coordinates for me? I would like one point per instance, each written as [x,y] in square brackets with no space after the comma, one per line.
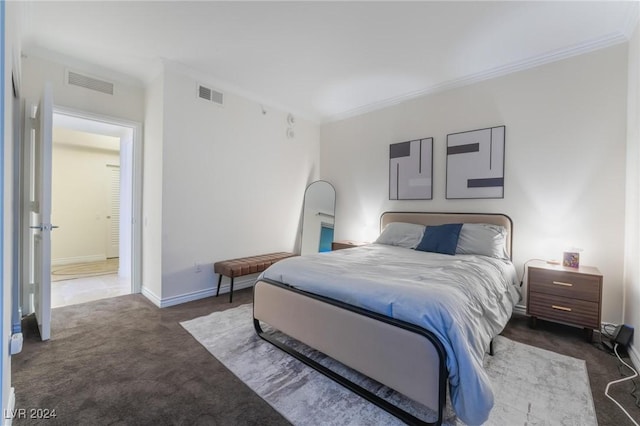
[402,356]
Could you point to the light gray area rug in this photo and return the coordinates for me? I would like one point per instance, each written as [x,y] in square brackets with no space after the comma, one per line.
[532,386]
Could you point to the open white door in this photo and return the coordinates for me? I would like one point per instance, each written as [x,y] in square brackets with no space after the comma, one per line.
[39,210]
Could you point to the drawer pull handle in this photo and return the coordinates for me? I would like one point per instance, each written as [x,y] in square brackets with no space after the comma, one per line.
[564,284]
[561,308]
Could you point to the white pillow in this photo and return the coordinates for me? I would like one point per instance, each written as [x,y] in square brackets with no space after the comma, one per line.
[407,235]
[483,239]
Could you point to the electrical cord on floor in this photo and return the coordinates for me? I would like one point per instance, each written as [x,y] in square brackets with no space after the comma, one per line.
[606,390]
[524,269]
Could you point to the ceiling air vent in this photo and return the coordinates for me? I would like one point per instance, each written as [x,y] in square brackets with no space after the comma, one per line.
[82,80]
[209,94]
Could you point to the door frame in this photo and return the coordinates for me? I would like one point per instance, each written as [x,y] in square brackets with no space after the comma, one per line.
[135,149]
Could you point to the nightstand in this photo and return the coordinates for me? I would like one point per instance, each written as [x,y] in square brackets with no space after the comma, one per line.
[566,295]
[345,244]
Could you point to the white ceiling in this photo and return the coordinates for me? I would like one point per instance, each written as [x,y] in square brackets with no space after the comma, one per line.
[326,60]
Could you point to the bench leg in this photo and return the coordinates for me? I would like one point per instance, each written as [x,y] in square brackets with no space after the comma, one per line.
[219,281]
[231,291]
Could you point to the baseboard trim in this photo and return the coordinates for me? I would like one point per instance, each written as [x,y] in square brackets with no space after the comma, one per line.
[188,297]
[520,310]
[10,409]
[78,259]
[196,295]
[151,296]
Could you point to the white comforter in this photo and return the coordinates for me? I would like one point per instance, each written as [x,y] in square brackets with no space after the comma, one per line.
[465,300]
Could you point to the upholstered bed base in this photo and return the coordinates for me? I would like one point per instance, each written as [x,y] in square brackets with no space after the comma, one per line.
[399,355]
[402,356]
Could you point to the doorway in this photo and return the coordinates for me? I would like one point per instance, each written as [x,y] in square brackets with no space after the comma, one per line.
[126,137]
[86,202]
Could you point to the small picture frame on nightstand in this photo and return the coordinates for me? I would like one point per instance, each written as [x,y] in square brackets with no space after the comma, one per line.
[571,259]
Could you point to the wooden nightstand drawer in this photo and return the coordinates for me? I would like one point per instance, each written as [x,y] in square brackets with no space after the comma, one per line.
[572,311]
[565,284]
[569,295]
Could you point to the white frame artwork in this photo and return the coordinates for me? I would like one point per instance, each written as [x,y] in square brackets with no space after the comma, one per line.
[411,170]
[475,163]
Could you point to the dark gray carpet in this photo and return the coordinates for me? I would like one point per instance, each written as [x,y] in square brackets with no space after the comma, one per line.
[122,361]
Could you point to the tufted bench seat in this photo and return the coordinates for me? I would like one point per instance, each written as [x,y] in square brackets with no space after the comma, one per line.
[244,266]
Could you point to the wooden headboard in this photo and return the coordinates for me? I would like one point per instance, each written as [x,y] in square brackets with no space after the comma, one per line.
[437,218]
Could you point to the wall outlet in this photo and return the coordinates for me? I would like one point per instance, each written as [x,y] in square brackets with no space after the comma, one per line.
[15,345]
[197,267]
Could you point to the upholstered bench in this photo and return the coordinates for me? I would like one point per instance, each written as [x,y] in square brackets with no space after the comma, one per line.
[244,266]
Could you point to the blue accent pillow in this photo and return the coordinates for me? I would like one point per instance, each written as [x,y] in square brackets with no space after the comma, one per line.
[441,239]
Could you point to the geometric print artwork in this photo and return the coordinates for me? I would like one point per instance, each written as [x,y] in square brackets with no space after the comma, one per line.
[411,170]
[475,163]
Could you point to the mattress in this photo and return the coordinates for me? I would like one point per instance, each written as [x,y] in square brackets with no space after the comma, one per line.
[465,300]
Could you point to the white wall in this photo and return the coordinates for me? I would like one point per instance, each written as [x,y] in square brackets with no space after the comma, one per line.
[80,192]
[565,159]
[632,232]
[232,182]
[127,102]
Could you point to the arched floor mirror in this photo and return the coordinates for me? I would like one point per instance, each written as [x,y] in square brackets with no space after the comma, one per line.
[318,217]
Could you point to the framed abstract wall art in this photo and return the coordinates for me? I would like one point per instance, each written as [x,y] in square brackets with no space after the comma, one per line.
[475,163]
[411,170]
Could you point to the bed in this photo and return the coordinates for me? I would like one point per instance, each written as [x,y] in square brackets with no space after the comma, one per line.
[366,308]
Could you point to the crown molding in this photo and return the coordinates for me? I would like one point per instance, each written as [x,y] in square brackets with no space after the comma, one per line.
[533,62]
